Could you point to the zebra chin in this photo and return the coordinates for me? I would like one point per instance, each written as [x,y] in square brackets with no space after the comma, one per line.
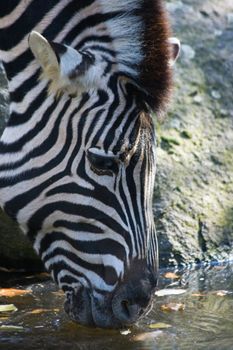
[129,302]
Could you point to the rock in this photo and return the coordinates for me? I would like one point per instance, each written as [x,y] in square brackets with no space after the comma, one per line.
[217,32]
[194,184]
[230,18]
[186,134]
[223,112]
[198,99]
[215,94]
[15,249]
[175,123]
[187,53]
[173,7]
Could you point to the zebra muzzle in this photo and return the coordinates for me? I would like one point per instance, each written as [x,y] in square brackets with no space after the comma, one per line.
[123,307]
[78,306]
[132,301]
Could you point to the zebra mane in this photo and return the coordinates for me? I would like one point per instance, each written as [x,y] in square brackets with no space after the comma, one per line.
[142,32]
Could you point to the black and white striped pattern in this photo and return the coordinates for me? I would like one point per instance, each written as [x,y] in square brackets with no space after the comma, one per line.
[77,169]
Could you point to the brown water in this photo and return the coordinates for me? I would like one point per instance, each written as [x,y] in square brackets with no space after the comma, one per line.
[205,321]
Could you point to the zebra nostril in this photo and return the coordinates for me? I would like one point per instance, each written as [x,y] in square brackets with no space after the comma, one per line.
[131,311]
[127,311]
[125,307]
[132,300]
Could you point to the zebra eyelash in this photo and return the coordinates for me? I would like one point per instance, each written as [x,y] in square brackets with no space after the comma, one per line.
[102,163]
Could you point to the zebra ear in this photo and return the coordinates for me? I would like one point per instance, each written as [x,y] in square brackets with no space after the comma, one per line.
[64,67]
[43,52]
[175,49]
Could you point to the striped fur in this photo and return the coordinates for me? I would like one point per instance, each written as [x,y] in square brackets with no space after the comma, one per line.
[77,168]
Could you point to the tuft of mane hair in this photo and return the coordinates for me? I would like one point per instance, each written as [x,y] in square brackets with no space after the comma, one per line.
[156,71]
[141,40]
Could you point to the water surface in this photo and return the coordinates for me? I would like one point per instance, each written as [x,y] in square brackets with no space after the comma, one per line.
[204,322]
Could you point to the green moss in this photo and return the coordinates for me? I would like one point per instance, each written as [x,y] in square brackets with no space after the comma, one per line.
[186,134]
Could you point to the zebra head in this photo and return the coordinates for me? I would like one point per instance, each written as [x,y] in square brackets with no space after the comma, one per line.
[77,168]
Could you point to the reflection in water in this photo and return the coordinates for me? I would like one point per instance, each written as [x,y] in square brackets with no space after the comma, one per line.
[205,323]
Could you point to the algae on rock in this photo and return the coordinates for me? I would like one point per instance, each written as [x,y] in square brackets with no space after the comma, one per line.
[194,185]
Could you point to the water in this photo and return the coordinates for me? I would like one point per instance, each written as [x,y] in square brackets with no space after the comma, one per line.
[206,321]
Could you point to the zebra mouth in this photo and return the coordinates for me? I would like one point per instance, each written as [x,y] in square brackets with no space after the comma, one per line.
[88,310]
[121,308]
[78,306]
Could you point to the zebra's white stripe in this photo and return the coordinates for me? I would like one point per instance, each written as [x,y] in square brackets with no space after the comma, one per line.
[9,19]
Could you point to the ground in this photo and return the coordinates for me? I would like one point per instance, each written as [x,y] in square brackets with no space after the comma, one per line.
[194,185]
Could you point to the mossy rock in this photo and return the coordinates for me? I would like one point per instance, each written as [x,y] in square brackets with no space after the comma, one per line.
[15,249]
[194,185]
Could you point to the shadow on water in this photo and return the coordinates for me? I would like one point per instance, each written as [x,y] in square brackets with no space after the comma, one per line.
[203,322]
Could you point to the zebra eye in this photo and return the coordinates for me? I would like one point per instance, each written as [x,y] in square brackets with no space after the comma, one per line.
[102,163]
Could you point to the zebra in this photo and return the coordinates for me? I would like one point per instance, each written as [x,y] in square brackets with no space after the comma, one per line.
[77,157]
